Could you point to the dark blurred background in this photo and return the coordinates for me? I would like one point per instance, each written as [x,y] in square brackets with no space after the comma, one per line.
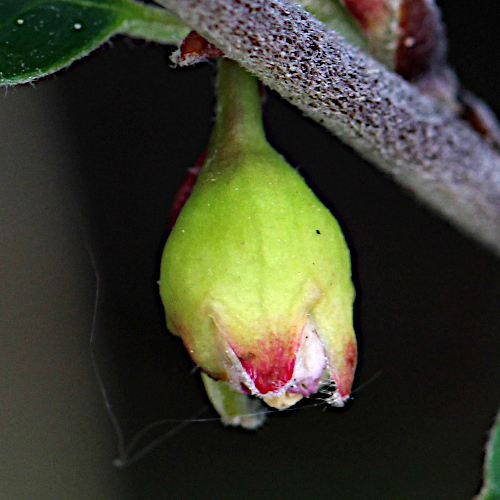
[91,160]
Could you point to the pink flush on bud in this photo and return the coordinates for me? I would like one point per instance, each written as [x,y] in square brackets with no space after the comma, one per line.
[284,371]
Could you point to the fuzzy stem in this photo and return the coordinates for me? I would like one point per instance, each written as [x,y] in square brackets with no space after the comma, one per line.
[416,140]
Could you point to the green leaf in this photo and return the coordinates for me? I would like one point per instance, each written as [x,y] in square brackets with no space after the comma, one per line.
[39,37]
[491,487]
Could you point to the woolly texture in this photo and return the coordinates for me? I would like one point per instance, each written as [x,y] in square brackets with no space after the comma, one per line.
[385,119]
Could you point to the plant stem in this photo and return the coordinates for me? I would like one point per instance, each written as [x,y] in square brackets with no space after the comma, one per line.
[152,23]
[239,113]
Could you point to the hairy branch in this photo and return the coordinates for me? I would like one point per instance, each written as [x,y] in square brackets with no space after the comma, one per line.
[415,139]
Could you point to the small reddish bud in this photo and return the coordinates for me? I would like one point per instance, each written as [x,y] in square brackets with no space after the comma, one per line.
[422,40]
[194,49]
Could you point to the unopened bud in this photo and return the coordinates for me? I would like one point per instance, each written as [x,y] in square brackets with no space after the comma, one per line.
[256,274]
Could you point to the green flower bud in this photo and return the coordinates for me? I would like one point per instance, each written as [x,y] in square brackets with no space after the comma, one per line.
[255,275]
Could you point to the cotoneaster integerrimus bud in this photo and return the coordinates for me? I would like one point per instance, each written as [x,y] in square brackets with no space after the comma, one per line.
[256,275]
